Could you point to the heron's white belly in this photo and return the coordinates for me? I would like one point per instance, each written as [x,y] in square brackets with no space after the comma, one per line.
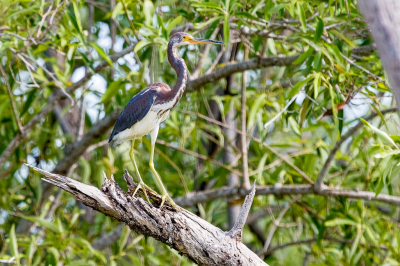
[141,128]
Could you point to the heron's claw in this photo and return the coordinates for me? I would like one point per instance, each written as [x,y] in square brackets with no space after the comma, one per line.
[143,186]
[164,197]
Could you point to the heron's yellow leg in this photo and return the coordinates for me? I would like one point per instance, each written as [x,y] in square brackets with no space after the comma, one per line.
[164,192]
[141,184]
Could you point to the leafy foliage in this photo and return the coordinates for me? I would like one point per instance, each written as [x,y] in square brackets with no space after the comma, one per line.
[45,46]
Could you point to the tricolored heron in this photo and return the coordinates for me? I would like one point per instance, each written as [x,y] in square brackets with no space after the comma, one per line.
[150,107]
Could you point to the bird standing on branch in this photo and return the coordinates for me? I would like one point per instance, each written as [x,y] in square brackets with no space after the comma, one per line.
[148,109]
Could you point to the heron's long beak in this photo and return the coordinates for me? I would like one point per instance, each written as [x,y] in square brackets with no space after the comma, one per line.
[204,41]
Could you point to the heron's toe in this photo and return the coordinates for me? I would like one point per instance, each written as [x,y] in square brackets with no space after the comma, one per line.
[170,200]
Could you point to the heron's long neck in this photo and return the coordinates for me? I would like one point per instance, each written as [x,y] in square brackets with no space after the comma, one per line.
[181,70]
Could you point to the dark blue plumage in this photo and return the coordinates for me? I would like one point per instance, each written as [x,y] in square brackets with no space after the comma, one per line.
[134,111]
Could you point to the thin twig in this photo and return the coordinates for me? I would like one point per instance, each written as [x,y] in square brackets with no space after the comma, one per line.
[130,21]
[275,225]
[201,156]
[183,182]
[81,122]
[278,162]
[281,112]
[97,145]
[14,108]
[360,67]
[42,21]
[204,53]
[21,82]
[245,165]
[215,62]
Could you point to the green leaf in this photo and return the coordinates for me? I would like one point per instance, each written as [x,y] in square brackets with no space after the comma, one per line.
[333,100]
[370,234]
[87,61]
[13,242]
[303,56]
[226,30]
[387,166]
[298,86]
[317,61]
[294,125]
[381,134]
[340,221]
[31,249]
[77,16]
[302,16]
[254,110]
[123,238]
[173,23]
[111,91]
[28,102]
[55,253]
[276,8]
[387,153]
[43,222]
[319,30]
[118,9]
[261,166]
[148,9]
[77,28]
[268,6]
[271,46]
[380,115]
[245,15]
[141,44]
[102,53]
[317,84]
[355,243]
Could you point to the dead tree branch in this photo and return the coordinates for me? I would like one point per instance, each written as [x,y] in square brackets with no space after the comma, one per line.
[183,231]
[225,192]
[383,21]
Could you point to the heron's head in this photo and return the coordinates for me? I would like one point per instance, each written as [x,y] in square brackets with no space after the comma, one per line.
[183,38]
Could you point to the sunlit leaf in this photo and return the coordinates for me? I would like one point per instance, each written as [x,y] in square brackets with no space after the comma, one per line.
[381,134]
[102,53]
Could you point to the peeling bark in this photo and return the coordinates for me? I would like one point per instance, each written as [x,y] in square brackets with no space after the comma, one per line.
[194,238]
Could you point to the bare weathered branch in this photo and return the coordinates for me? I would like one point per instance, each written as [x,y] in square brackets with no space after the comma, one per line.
[183,231]
[310,240]
[236,231]
[275,225]
[243,138]
[225,192]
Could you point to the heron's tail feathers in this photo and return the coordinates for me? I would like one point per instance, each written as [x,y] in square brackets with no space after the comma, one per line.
[113,143]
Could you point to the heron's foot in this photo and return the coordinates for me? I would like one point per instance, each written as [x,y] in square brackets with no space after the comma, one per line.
[143,186]
[164,197]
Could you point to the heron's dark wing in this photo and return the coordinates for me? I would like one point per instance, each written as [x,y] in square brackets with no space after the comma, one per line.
[134,111]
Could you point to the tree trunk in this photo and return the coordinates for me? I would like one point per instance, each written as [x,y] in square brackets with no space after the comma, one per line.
[194,238]
[383,20]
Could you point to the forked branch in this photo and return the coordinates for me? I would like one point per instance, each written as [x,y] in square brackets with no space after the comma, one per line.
[183,231]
